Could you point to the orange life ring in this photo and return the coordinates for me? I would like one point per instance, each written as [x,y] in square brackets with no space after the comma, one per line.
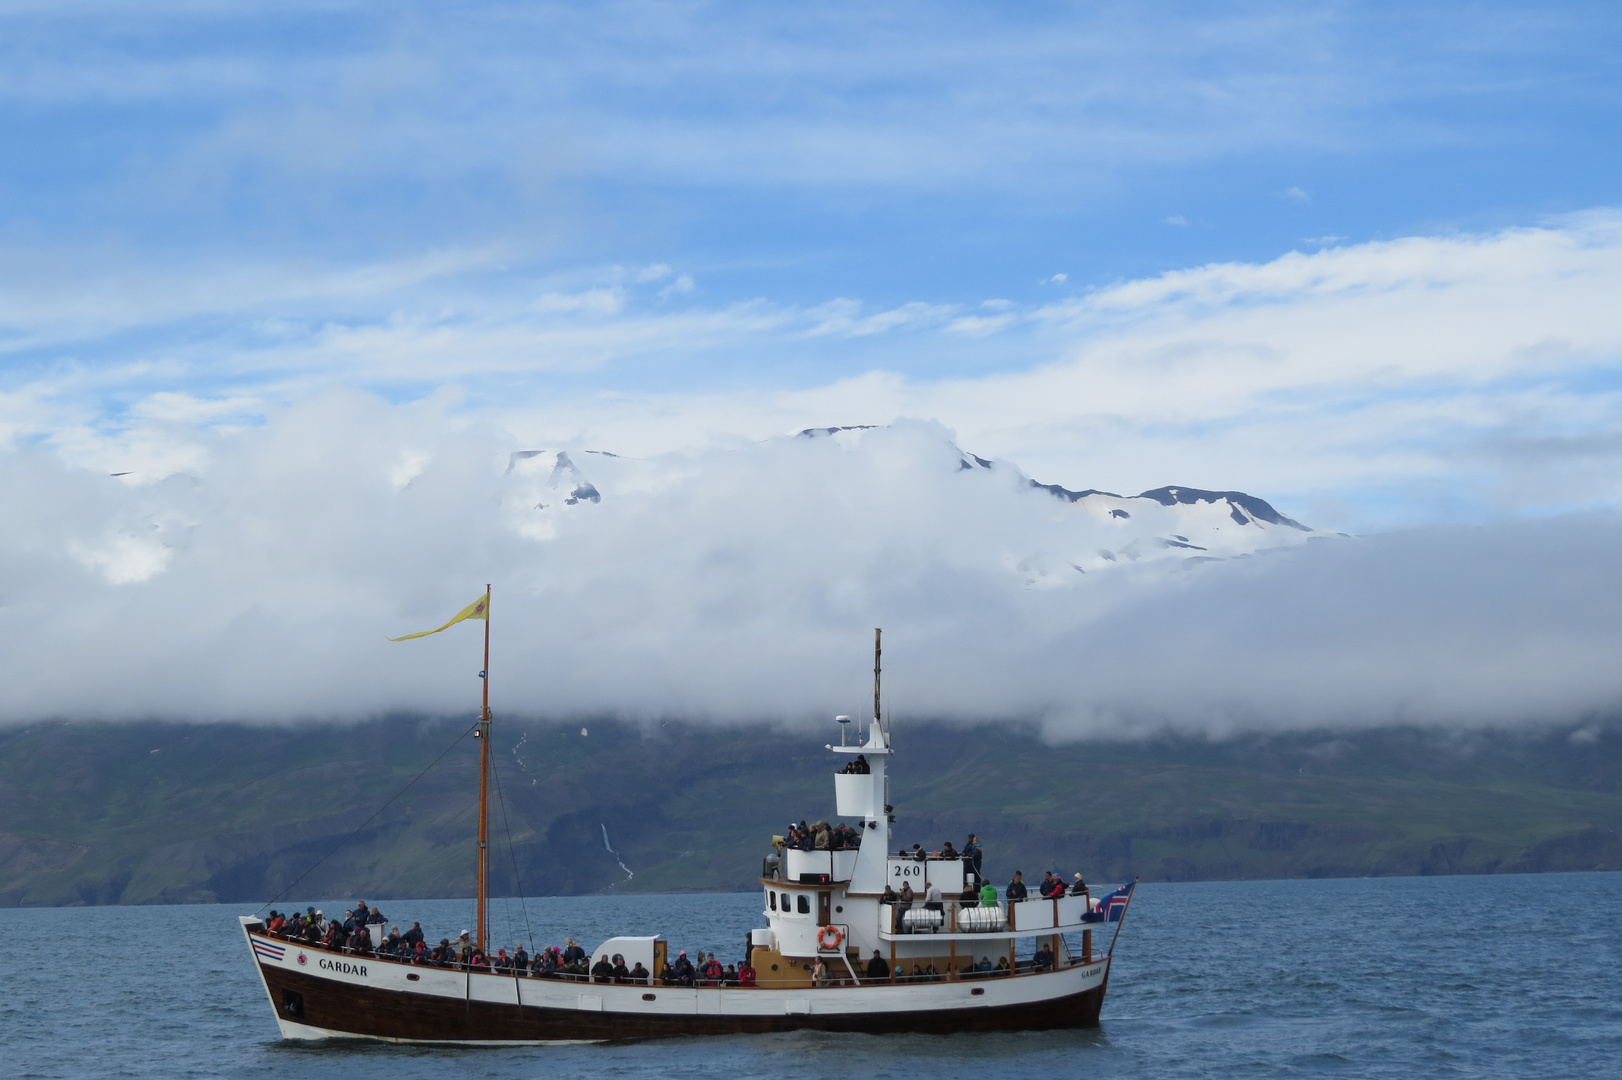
[823,938]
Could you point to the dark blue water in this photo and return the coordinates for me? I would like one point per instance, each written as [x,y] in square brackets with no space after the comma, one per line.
[1488,977]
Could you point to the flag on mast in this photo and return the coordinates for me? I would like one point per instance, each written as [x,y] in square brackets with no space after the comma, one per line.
[479,609]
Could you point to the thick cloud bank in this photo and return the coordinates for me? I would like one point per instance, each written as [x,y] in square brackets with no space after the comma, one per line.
[742,583]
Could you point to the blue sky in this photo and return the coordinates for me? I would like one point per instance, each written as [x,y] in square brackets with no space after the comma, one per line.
[220,208]
[303,276]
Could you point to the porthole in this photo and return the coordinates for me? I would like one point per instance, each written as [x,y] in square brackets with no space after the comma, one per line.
[413,976]
[649,997]
[774,967]
[838,910]
[978,990]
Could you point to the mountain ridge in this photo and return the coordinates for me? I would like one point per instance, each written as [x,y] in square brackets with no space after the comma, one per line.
[171,813]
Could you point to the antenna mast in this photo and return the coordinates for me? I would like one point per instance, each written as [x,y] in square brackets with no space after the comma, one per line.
[878,635]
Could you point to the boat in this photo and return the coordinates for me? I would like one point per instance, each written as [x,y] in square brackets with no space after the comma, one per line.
[828,915]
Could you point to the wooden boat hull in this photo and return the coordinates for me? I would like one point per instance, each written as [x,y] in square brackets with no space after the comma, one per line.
[331,996]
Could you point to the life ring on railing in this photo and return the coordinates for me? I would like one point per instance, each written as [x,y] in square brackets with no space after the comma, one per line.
[829,938]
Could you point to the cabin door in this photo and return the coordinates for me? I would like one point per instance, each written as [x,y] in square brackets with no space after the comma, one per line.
[825,913]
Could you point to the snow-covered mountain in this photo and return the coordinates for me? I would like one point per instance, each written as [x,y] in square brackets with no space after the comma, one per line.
[1091,530]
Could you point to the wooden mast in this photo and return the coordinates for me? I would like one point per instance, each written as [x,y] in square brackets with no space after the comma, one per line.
[484,785]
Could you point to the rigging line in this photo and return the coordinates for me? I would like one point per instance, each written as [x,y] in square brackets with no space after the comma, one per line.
[365,823]
[501,800]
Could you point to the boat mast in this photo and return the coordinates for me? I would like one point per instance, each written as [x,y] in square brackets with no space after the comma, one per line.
[878,634]
[484,783]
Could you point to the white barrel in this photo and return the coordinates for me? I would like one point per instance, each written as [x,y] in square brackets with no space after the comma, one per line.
[921,920]
[981,920]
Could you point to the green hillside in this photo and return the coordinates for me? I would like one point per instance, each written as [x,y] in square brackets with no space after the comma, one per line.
[168,813]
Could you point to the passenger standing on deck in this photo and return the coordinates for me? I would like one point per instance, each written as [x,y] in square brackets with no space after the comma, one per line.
[1016,888]
[819,973]
[972,851]
[988,895]
[572,953]
[746,974]
[877,969]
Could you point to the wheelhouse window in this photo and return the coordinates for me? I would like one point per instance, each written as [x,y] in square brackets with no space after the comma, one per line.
[805,905]
[773,898]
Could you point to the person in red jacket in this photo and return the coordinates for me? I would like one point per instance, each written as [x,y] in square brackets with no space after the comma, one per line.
[746,974]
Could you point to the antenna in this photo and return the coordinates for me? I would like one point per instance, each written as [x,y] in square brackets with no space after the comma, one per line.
[878,652]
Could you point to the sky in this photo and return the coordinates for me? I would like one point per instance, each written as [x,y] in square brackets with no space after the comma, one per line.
[270,274]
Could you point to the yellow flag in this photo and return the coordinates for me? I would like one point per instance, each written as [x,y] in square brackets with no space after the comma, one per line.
[479,609]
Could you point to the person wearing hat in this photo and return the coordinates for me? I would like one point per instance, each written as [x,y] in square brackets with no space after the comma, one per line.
[1079,888]
[1016,889]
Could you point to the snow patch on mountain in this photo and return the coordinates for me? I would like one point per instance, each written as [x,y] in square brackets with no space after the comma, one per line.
[1089,531]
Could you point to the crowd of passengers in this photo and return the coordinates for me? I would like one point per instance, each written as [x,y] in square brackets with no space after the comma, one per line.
[1052,887]
[879,971]
[352,935]
[821,837]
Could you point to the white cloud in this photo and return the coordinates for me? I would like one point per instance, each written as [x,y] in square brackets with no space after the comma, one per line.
[1392,370]
[1434,377]
[742,583]
[682,284]
[1297,196]
[1177,219]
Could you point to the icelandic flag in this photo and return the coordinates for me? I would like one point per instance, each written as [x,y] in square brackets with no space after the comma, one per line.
[1114,904]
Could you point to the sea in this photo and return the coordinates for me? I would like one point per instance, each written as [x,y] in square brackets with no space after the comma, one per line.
[1515,976]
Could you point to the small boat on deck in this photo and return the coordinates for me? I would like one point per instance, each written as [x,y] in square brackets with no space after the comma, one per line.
[827,914]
